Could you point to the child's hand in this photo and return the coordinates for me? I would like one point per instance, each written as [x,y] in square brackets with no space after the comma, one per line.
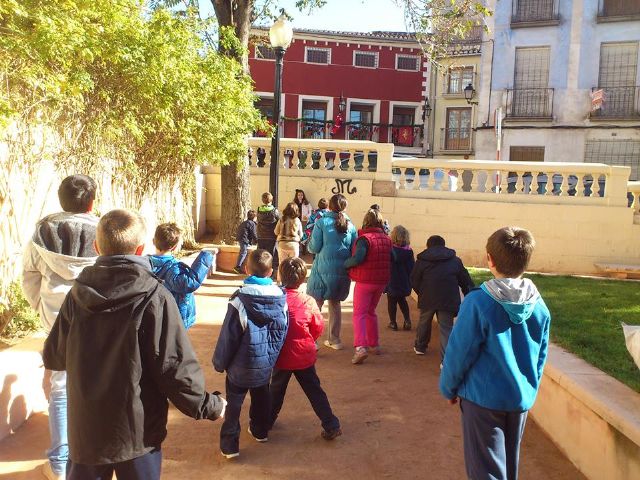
[453,401]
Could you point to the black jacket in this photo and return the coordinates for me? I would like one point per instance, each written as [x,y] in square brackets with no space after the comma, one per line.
[436,277]
[247,233]
[267,217]
[120,338]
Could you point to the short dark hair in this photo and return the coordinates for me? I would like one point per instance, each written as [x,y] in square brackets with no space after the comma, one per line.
[510,249]
[375,206]
[167,236]
[77,193]
[120,232]
[435,241]
[251,215]
[259,263]
[293,272]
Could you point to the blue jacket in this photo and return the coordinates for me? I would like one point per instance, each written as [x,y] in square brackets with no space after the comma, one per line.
[182,280]
[498,347]
[401,266]
[253,333]
[329,279]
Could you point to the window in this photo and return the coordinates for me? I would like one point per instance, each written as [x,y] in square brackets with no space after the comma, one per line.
[624,153]
[534,11]
[459,78]
[360,119]
[526,154]
[265,106]
[402,131]
[407,62]
[265,52]
[365,59]
[530,96]
[458,131]
[315,115]
[318,55]
[618,8]
[617,77]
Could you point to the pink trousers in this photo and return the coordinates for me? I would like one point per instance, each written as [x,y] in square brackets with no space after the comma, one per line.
[365,321]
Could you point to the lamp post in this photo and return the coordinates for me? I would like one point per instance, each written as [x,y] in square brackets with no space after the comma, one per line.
[469,93]
[426,113]
[280,36]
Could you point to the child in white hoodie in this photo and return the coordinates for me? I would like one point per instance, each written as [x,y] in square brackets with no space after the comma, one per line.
[62,245]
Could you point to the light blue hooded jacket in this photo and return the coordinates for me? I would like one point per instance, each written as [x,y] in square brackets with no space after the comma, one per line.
[498,346]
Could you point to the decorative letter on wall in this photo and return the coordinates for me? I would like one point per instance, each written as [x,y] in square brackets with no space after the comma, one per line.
[340,187]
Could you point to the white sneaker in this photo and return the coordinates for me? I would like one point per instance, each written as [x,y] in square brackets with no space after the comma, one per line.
[418,352]
[359,356]
[335,346]
[50,474]
[230,455]
[261,440]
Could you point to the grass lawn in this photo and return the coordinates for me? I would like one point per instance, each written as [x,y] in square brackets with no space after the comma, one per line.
[585,319]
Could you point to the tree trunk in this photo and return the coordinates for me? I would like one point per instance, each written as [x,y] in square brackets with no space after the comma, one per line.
[236,200]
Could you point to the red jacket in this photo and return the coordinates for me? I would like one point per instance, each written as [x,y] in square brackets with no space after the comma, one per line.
[376,267]
[305,326]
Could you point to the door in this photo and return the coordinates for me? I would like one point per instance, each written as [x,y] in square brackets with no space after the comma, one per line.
[531,82]
[458,131]
[617,76]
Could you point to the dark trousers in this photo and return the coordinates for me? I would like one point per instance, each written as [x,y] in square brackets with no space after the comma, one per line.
[258,415]
[310,384]
[393,301]
[491,441]
[146,467]
[423,331]
[269,244]
[242,254]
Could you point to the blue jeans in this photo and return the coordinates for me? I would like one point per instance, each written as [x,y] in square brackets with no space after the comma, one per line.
[242,254]
[59,451]
[146,467]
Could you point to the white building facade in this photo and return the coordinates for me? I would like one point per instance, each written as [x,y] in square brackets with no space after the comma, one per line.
[565,73]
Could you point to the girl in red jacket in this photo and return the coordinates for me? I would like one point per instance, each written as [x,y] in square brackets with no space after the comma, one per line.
[370,268]
[298,355]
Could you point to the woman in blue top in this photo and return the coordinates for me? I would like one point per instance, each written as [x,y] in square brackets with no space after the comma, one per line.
[332,240]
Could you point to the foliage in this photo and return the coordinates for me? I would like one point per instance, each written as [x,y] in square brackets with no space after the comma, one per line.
[585,319]
[17,319]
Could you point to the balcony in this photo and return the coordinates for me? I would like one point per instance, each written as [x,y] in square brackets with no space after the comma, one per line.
[534,13]
[621,103]
[529,103]
[618,10]
[456,140]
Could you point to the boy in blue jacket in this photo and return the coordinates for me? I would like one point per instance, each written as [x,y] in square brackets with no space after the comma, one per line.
[495,358]
[250,340]
[180,279]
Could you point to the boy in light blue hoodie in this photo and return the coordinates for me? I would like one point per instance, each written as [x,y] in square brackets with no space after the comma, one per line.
[495,358]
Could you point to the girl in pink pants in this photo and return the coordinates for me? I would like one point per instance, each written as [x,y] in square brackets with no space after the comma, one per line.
[370,267]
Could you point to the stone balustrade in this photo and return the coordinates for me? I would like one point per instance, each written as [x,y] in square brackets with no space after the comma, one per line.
[634,196]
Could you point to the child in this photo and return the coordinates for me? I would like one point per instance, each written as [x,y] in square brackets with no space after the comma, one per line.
[323,207]
[246,235]
[370,268]
[304,207]
[289,232]
[180,279]
[400,284]
[250,340]
[385,224]
[437,278]
[298,355]
[61,247]
[268,217]
[496,356]
[120,338]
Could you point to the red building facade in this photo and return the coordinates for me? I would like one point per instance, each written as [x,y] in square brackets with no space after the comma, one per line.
[377,79]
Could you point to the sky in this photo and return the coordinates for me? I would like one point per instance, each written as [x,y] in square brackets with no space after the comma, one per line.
[346,15]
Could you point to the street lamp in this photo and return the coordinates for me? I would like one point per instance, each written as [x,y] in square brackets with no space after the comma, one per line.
[469,93]
[426,109]
[280,36]
[342,105]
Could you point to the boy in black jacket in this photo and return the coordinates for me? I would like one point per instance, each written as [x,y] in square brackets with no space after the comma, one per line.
[120,338]
[437,277]
[246,236]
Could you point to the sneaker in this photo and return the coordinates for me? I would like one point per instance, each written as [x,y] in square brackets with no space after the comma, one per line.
[230,455]
[393,326]
[406,326]
[440,366]
[261,440]
[375,350]
[50,474]
[419,352]
[238,270]
[335,346]
[360,356]
[331,434]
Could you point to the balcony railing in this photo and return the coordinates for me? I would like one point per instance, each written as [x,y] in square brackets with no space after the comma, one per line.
[456,140]
[619,102]
[534,11]
[530,103]
[610,9]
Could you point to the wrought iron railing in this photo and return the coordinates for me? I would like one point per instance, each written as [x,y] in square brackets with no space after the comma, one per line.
[456,139]
[533,103]
[618,8]
[529,11]
[618,102]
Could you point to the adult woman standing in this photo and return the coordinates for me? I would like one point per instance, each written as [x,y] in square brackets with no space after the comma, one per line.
[332,240]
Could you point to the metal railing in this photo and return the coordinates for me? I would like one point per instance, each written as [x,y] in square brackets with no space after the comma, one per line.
[530,11]
[618,102]
[533,103]
[618,8]
[456,139]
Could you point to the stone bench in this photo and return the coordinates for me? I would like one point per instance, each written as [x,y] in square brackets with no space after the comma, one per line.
[619,270]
